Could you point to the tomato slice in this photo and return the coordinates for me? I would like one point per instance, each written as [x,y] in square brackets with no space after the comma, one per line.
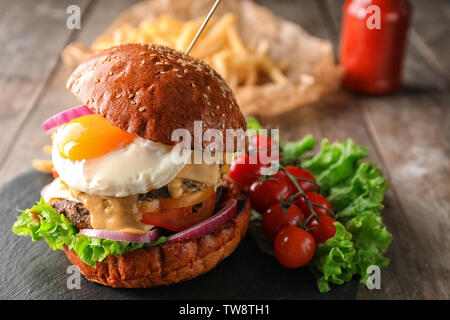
[179,219]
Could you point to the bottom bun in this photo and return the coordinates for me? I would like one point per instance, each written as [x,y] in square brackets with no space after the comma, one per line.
[168,263]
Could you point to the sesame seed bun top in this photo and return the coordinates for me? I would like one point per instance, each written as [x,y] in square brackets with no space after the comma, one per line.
[151,90]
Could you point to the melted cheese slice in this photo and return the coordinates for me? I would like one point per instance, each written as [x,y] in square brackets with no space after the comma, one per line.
[206,173]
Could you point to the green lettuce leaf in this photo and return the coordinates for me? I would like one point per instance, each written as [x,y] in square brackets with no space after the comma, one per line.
[335,162]
[371,240]
[57,231]
[252,123]
[334,259]
[297,148]
[360,192]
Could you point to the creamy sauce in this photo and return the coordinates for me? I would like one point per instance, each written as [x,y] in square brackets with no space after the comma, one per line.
[111,213]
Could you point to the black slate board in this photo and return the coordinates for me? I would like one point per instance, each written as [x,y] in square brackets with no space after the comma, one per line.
[31,270]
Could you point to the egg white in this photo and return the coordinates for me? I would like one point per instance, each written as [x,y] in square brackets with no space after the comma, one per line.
[136,168]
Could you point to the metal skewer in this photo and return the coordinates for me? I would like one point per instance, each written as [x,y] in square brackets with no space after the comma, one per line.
[210,13]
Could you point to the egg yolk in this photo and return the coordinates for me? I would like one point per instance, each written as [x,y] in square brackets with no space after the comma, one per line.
[90,137]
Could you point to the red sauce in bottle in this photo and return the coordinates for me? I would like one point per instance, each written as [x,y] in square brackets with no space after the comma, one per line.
[372,49]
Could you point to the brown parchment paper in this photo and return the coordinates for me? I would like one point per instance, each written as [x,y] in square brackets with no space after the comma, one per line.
[312,71]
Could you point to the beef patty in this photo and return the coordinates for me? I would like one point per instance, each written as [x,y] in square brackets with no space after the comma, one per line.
[76,212]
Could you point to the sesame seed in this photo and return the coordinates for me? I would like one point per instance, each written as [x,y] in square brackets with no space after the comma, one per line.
[186,71]
[141,109]
[179,76]
[176,70]
[223,114]
[97,80]
[212,114]
[138,94]
[133,102]
[114,56]
[208,103]
[142,53]
[162,72]
[209,88]
[192,85]
[143,62]
[166,63]
[118,96]
[222,125]
[217,107]
[204,96]
[153,55]
[131,96]
[110,73]
[158,64]
[108,58]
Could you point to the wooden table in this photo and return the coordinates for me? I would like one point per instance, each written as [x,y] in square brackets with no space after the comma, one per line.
[407,133]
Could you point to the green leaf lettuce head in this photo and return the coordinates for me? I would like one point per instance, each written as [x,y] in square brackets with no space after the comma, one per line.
[57,231]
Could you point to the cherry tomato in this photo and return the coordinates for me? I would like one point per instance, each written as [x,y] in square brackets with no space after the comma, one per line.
[264,194]
[303,174]
[322,230]
[294,247]
[243,172]
[316,198]
[274,219]
[265,146]
[179,219]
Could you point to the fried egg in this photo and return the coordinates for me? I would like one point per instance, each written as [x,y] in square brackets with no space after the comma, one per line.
[91,155]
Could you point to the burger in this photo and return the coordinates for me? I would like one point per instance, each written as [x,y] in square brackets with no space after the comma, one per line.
[122,209]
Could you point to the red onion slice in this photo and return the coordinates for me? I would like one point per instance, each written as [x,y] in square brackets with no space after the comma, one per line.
[209,225]
[44,188]
[65,116]
[149,236]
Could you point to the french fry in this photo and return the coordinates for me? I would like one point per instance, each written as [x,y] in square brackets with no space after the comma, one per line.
[220,45]
[47,149]
[42,165]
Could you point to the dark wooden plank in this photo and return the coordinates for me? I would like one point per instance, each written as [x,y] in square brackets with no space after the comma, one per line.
[413,143]
[430,34]
[34,34]
[410,135]
[56,97]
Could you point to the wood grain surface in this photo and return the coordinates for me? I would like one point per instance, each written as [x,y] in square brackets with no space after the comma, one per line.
[408,133]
